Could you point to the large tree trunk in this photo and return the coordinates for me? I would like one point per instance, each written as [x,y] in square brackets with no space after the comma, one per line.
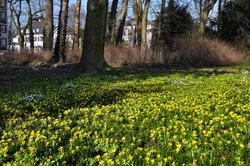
[122,21]
[60,47]
[77,25]
[144,24]
[48,26]
[112,22]
[94,37]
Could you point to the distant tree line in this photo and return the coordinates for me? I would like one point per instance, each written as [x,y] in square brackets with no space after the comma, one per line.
[105,24]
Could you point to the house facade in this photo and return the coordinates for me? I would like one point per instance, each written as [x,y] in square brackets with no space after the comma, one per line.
[129,34]
[38,38]
[3,26]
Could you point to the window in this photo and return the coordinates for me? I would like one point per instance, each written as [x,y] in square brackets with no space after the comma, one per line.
[3,2]
[3,42]
[3,29]
[3,15]
[37,30]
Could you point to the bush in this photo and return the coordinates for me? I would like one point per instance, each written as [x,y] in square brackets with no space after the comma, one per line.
[73,55]
[25,57]
[117,56]
[203,53]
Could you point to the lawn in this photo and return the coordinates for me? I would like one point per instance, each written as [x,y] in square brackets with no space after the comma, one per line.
[126,117]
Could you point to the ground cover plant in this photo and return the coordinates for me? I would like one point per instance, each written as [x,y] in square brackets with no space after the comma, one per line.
[126,118]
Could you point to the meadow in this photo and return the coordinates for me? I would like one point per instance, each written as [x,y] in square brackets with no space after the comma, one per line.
[126,117]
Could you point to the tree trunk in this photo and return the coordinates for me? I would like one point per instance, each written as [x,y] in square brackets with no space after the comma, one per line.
[122,21]
[48,26]
[170,7]
[30,25]
[94,37]
[205,9]
[60,47]
[112,22]
[77,25]
[141,16]
[137,10]
[160,21]
[144,25]
[157,43]
[21,40]
[219,15]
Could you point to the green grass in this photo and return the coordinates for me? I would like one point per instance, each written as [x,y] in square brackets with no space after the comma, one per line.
[238,67]
[126,118]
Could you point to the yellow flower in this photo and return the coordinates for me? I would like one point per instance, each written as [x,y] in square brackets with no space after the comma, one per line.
[241,146]
[130,157]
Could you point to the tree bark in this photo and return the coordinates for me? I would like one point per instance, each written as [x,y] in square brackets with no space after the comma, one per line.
[60,47]
[160,21]
[92,58]
[112,22]
[219,15]
[137,10]
[205,8]
[122,21]
[48,26]
[30,23]
[140,16]
[77,25]
[144,24]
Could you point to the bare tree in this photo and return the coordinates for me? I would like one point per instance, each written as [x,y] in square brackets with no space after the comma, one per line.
[94,38]
[22,15]
[30,26]
[121,22]
[16,13]
[60,46]
[76,35]
[204,7]
[157,42]
[112,22]
[140,10]
[48,26]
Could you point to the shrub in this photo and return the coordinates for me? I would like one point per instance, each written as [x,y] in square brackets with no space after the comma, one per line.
[25,57]
[203,53]
[73,55]
[118,56]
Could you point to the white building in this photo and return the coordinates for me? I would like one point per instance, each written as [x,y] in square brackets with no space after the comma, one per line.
[38,38]
[3,26]
[129,33]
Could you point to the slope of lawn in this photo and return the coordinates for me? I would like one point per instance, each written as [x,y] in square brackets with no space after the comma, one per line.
[126,118]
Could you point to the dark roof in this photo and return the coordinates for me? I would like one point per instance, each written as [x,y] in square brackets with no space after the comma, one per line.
[38,25]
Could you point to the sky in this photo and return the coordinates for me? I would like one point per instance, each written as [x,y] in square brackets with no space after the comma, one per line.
[84,3]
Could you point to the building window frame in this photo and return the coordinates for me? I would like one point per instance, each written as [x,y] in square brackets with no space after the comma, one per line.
[3,42]
[3,29]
